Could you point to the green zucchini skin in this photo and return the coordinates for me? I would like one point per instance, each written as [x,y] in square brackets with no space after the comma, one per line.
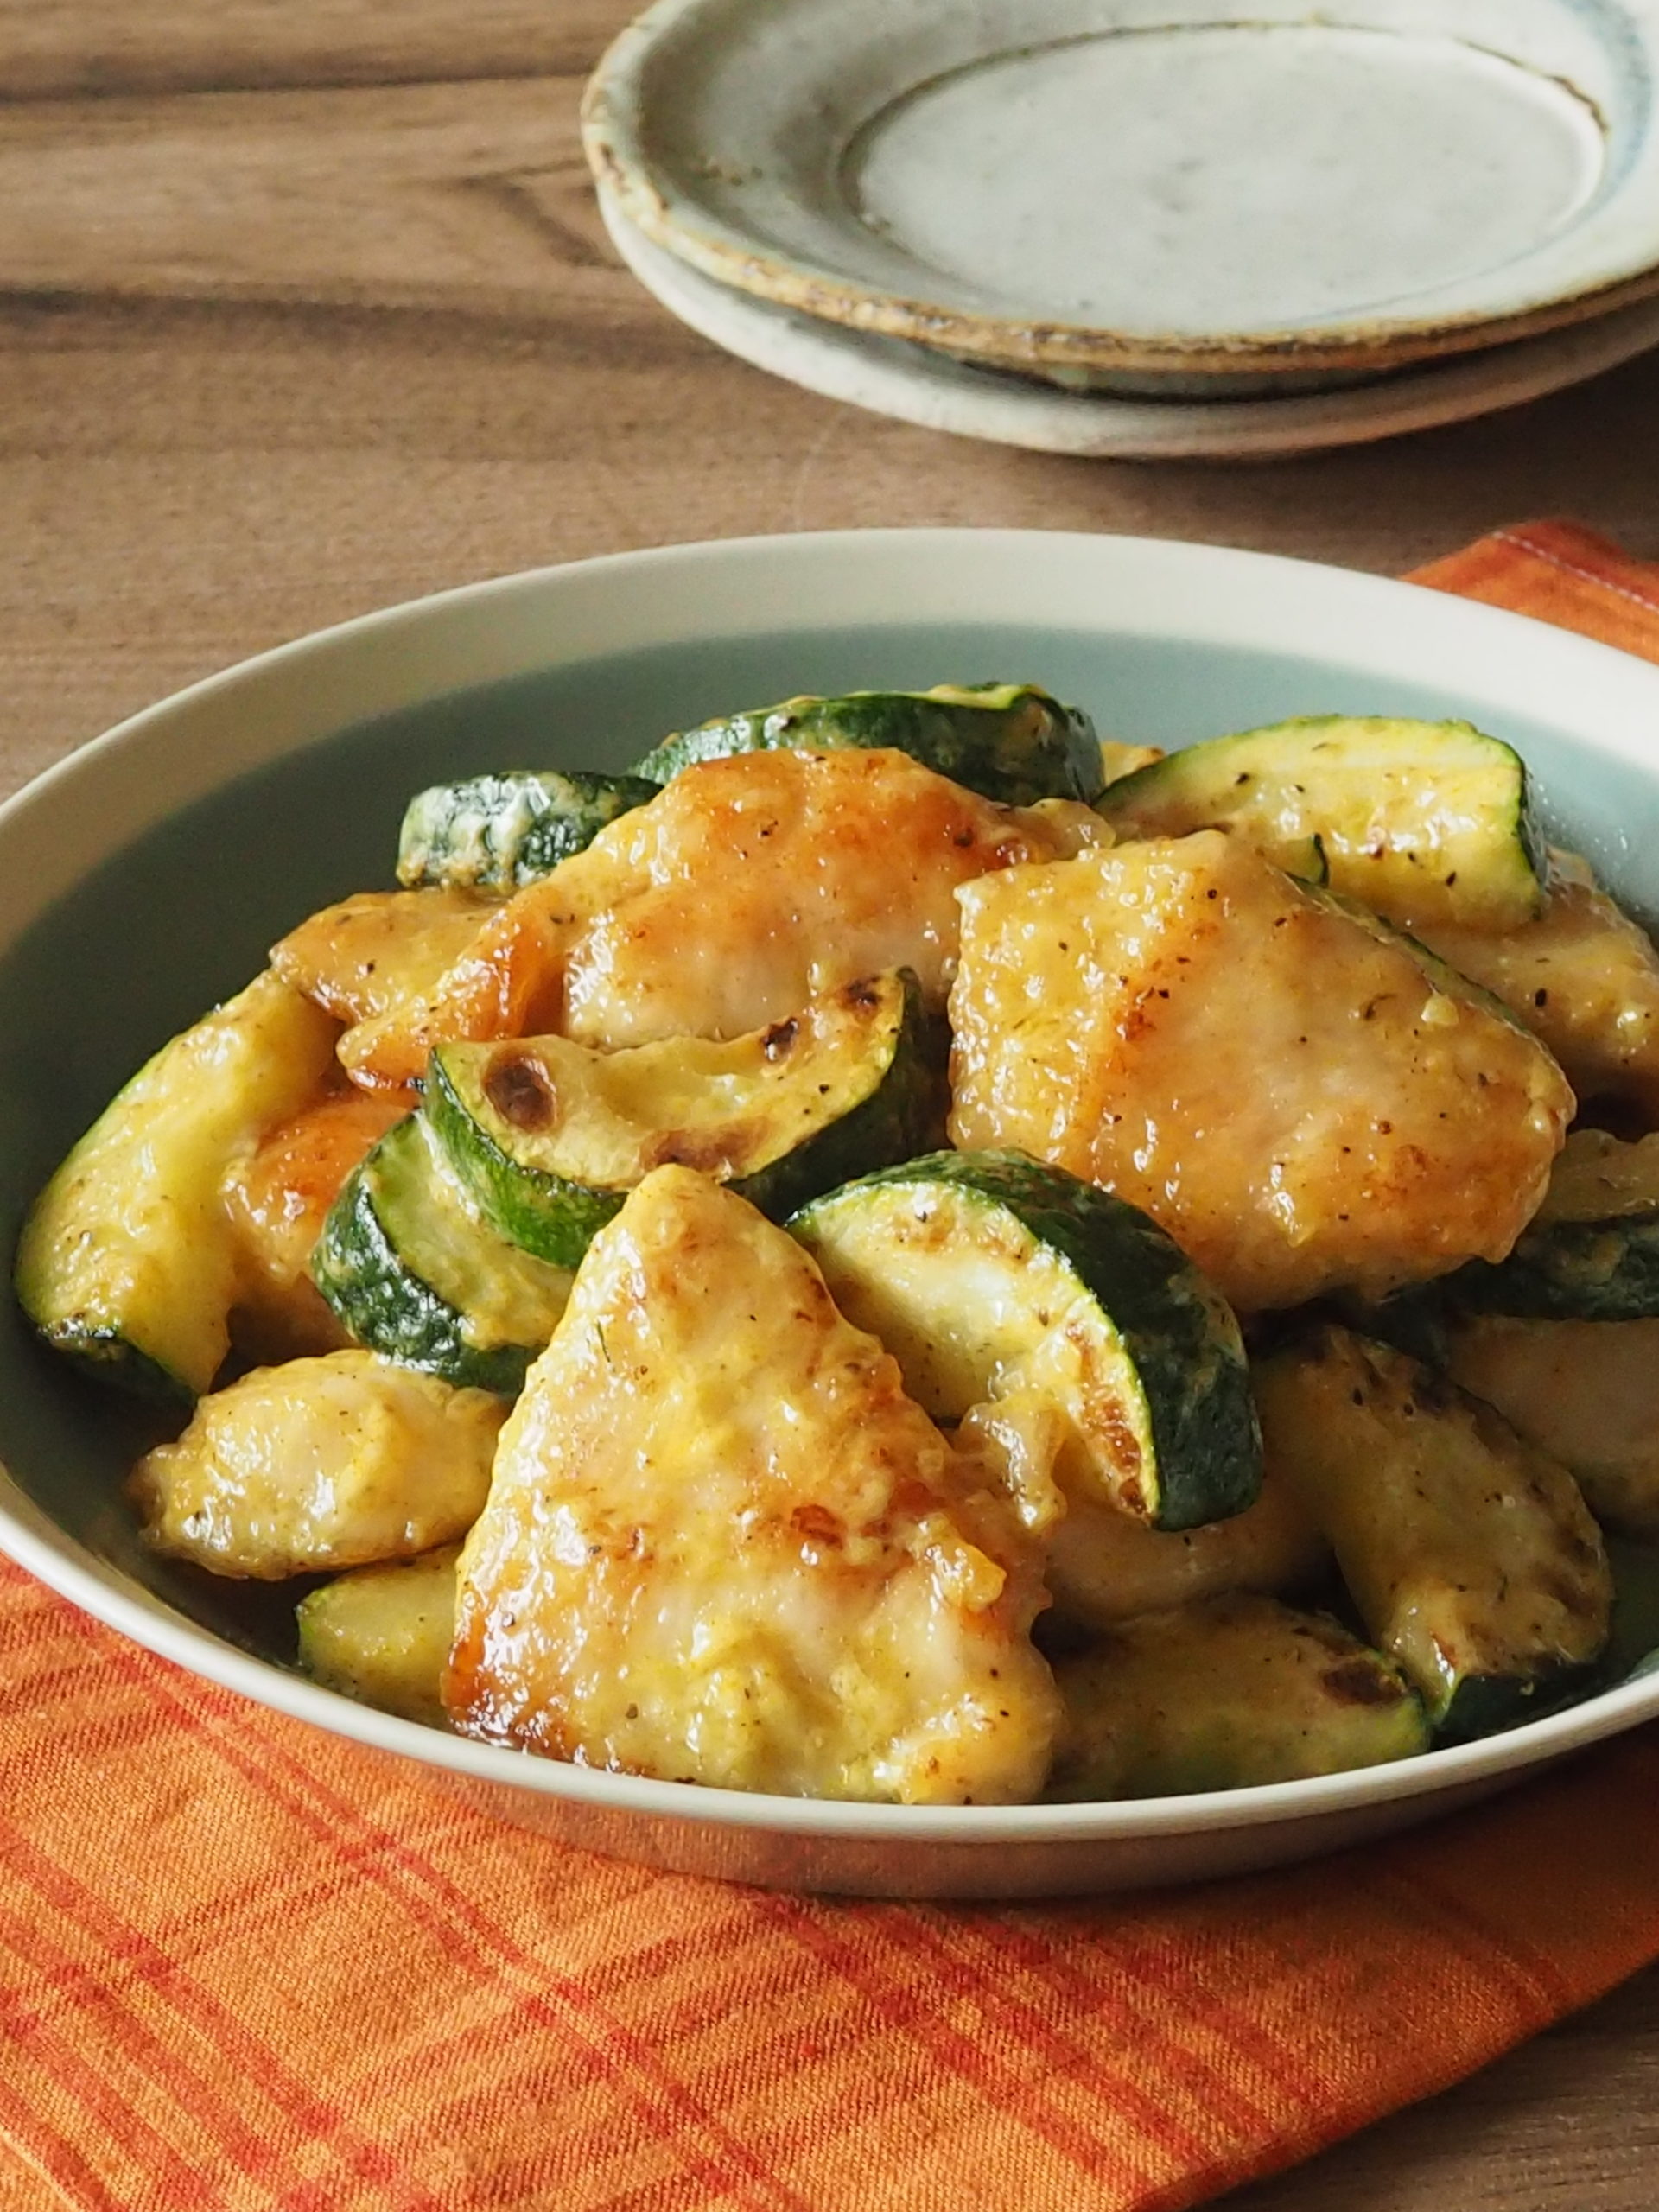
[1232,1693]
[413,1274]
[382,1634]
[1012,742]
[1591,1252]
[901,1249]
[1470,1554]
[780,1114]
[127,1262]
[1423,822]
[496,832]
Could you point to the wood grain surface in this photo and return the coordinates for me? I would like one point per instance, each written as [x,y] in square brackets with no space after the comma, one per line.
[305,308]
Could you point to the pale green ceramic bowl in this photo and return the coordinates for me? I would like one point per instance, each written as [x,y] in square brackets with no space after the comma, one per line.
[145,877]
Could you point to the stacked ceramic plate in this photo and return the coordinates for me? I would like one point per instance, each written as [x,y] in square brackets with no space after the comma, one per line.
[1146,227]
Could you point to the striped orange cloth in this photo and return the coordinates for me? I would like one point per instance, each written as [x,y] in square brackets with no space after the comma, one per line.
[247,1968]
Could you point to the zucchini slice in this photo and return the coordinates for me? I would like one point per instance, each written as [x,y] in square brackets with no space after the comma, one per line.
[989,1277]
[1424,822]
[412,1271]
[1586,1392]
[1238,1691]
[550,1136]
[1009,741]
[1104,1566]
[495,832]
[1470,1555]
[128,1261]
[1590,1252]
[382,1634]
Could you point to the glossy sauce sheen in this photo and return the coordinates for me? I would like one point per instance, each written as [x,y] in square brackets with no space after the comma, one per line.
[1287,1095]
[373,957]
[319,1463]
[751,885]
[277,1197]
[1582,977]
[721,1544]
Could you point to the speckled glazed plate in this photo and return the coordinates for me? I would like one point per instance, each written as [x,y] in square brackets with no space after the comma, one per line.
[142,878]
[1149,188]
[917,384]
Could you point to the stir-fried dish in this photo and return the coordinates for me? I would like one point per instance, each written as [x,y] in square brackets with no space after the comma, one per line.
[903,1251]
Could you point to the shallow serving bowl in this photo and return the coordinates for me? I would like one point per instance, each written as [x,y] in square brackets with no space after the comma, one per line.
[144,878]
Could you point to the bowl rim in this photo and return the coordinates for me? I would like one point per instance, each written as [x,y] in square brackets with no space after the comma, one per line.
[303,691]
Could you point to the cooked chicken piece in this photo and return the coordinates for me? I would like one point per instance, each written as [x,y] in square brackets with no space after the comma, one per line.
[1583,977]
[1586,1392]
[376,955]
[1292,1096]
[277,1195]
[722,1545]
[751,885]
[319,1463]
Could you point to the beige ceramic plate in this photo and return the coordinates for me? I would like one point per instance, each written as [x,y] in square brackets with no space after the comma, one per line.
[1147,187]
[141,878]
[917,384]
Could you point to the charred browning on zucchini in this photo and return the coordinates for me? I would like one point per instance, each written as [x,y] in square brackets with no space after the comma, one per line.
[716,1152]
[1469,1552]
[995,1281]
[548,1136]
[516,1084]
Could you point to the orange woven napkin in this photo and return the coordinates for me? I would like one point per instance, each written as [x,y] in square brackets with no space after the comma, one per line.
[245,1967]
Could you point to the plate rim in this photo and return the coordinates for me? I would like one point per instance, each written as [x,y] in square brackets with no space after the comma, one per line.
[1160,582]
[613,135]
[936,393]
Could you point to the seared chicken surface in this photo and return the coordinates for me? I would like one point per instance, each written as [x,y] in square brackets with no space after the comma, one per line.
[319,1463]
[1583,977]
[722,1545]
[277,1196]
[751,885]
[1288,1094]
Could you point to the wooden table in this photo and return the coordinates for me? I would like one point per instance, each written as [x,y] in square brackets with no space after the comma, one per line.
[306,307]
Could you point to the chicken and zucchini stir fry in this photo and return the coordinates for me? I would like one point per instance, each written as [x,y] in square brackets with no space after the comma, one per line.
[903,1251]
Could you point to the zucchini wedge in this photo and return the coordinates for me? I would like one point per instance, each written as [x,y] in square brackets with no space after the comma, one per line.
[382,1634]
[1009,741]
[1424,822]
[412,1272]
[1586,1392]
[549,1136]
[1238,1691]
[990,1277]
[1470,1555]
[1103,1566]
[496,832]
[127,1261]
[1590,1252]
